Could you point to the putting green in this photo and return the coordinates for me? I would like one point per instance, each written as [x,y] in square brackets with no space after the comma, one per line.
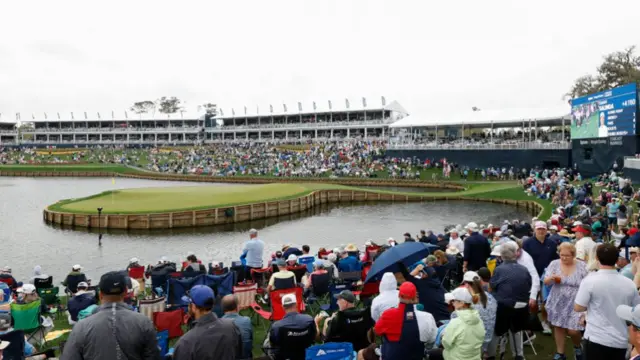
[165,199]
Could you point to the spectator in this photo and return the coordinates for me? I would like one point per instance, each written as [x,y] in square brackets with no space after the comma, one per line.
[486,304]
[301,327]
[430,293]
[330,264]
[423,237]
[402,336]
[431,237]
[477,249]
[318,270]
[292,260]
[584,243]
[554,236]
[464,335]
[75,277]
[455,241]
[408,238]
[38,274]
[564,277]
[5,327]
[510,284]
[254,249]
[524,259]
[80,301]
[348,324]
[306,252]
[6,277]
[600,294]
[194,265]
[243,323]
[114,331]
[347,262]
[288,250]
[134,262]
[210,338]
[631,316]
[282,279]
[627,270]
[388,297]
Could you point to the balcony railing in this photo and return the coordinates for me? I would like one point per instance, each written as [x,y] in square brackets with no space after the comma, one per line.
[482,146]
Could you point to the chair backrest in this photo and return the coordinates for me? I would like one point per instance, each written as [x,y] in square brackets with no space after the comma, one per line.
[74,280]
[177,288]
[299,271]
[330,351]
[170,321]
[284,283]
[7,280]
[50,295]
[163,342]
[15,350]
[136,272]
[335,289]
[308,261]
[320,283]
[222,286]
[26,316]
[277,310]
[43,283]
[261,277]
[294,343]
[350,276]
[352,327]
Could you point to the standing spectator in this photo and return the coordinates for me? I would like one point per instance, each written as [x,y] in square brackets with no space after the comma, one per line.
[430,292]
[524,259]
[631,316]
[564,277]
[584,243]
[210,338]
[423,237]
[254,249]
[231,311]
[477,249]
[486,305]
[114,331]
[456,241]
[510,284]
[600,294]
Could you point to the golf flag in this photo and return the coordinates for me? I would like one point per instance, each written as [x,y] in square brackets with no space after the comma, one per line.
[221,112]
[245,110]
[33,116]
[85,115]
[45,116]
[113,114]
[233,112]
[58,116]
[98,116]
[271,108]
[126,116]
[72,118]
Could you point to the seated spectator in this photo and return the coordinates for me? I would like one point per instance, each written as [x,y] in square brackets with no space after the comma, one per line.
[292,260]
[404,330]
[306,251]
[6,277]
[80,301]
[194,265]
[294,328]
[133,263]
[348,324]
[75,277]
[319,269]
[463,337]
[275,257]
[28,294]
[5,327]
[231,311]
[282,279]
[288,250]
[430,294]
[38,275]
[348,263]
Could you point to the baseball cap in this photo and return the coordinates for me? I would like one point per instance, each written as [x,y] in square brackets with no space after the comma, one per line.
[292,257]
[541,225]
[469,276]
[462,294]
[5,321]
[134,260]
[585,229]
[496,250]
[553,227]
[113,283]
[200,295]
[76,267]
[628,313]
[347,296]
[28,288]
[407,291]
[83,285]
[289,299]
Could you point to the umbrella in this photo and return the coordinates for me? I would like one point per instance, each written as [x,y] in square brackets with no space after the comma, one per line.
[407,253]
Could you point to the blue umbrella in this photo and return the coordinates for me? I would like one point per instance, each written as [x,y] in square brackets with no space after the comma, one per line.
[407,253]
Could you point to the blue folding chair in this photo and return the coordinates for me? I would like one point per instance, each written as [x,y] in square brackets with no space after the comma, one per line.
[163,342]
[335,289]
[177,288]
[307,260]
[331,351]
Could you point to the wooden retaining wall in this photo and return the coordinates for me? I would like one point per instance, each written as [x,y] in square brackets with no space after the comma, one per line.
[238,179]
[255,211]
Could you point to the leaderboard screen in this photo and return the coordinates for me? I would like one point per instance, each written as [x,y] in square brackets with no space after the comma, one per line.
[604,114]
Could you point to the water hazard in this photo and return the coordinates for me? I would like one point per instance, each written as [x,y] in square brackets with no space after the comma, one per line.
[27,241]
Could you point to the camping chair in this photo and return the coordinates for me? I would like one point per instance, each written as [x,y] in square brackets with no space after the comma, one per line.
[330,351]
[320,285]
[222,285]
[5,297]
[261,277]
[352,327]
[282,284]
[307,261]
[177,288]
[163,342]
[15,350]
[26,317]
[246,294]
[43,283]
[147,307]
[277,310]
[137,274]
[8,281]
[50,298]
[335,289]
[293,343]
[170,321]
[73,281]
[299,271]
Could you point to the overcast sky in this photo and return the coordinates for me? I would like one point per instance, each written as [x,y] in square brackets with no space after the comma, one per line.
[431,56]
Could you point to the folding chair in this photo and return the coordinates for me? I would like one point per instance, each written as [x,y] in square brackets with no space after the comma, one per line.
[246,294]
[261,277]
[163,342]
[307,261]
[43,283]
[277,310]
[147,307]
[51,299]
[26,317]
[170,321]
[299,271]
[293,343]
[330,351]
[177,288]
[15,350]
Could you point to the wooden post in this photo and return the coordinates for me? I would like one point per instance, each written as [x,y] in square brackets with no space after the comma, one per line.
[171,220]
[251,212]
[215,216]
[235,214]
[106,221]
[193,217]
[126,221]
[148,221]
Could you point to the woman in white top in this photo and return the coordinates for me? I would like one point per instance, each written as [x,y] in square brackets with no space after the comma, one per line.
[456,241]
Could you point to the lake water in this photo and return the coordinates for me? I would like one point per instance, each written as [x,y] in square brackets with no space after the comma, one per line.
[27,241]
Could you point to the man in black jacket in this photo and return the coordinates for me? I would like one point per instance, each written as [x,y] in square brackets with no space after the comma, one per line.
[476,249]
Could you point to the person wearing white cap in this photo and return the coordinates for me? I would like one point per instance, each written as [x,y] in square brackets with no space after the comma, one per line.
[73,278]
[464,335]
[80,301]
[134,262]
[302,324]
[292,260]
[456,241]
[631,317]
[477,249]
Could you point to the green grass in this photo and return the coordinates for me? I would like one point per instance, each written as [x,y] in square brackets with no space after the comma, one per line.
[517,193]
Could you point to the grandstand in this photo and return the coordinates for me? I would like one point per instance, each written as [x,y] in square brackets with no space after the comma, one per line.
[347,121]
[111,128]
[8,131]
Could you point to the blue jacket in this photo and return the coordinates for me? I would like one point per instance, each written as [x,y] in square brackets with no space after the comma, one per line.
[349,264]
[79,303]
[511,283]
[246,331]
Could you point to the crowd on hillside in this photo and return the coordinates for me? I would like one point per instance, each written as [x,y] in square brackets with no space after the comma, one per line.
[574,276]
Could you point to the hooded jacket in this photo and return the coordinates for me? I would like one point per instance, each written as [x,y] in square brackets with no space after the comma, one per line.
[388,297]
[463,337]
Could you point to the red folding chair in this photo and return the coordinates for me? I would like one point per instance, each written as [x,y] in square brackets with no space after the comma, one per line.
[169,320]
[299,271]
[136,272]
[277,310]
[323,254]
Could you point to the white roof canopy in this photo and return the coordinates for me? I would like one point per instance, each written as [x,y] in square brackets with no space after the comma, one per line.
[506,117]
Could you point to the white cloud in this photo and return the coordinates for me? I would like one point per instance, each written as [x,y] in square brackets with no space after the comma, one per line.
[431,56]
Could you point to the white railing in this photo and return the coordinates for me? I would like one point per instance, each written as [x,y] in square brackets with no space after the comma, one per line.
[297,126]
[108,130]
[482,146]
[632,162]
